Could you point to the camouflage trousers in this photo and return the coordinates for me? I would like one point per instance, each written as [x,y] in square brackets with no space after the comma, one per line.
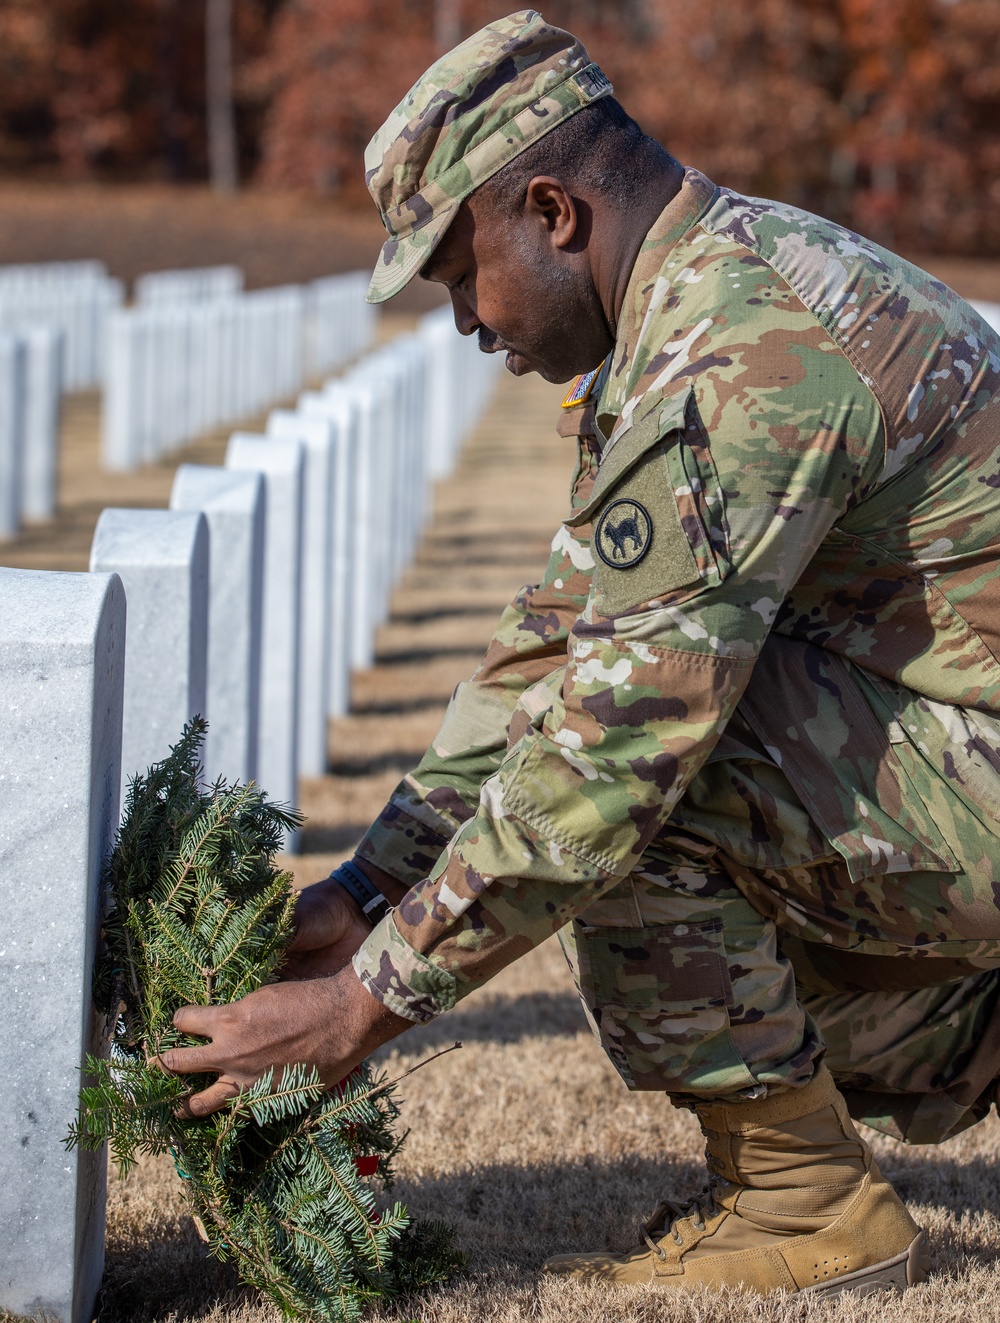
[743,950]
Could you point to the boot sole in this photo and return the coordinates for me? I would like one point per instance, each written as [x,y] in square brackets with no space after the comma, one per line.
[906,1269]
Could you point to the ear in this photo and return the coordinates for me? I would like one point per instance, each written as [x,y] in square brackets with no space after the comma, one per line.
[549,201]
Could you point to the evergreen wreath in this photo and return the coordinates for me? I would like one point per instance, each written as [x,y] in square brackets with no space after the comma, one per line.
[199,914]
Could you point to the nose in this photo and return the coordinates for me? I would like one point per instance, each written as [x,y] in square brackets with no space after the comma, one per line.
[465,319]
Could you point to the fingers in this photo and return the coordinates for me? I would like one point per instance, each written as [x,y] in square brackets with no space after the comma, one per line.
[202,1021]
[187,1060]
[212,1099]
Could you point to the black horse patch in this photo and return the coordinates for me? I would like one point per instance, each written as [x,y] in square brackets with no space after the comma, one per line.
[624,534]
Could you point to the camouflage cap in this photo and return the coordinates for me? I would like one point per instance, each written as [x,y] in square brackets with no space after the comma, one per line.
[474,110]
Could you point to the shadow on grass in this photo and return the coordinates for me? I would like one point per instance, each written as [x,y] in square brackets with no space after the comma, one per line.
[426,616]
[399,707]
[502,1020]
[331,840]
[424,656]
[508,1218]
[347,762]
[167,1274]
[962,1188]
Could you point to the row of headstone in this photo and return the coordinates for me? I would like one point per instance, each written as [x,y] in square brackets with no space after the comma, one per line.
[990,312]
[337,321]
[306,529]
[175,369]
[248,600]
[31,382]
[75,298]
[187,285]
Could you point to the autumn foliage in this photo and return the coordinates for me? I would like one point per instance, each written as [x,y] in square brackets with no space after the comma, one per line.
[882,113]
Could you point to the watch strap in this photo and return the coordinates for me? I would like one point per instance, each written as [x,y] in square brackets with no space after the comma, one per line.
[369,899]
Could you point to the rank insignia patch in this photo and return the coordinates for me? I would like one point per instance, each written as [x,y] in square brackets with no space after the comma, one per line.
[624,534]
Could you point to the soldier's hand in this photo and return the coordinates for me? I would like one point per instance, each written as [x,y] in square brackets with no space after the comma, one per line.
[330,1023]
[329,928]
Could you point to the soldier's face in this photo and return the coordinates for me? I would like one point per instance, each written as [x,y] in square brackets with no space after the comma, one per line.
[513,284]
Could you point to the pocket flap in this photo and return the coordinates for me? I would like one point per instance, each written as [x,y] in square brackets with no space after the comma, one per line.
[626,449]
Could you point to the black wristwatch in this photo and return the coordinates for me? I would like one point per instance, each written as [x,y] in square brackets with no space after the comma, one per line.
[371,902]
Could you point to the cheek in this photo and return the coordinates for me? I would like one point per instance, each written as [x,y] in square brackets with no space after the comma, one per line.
[500,299]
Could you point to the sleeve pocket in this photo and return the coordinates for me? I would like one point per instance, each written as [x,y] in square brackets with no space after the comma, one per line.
[658,511]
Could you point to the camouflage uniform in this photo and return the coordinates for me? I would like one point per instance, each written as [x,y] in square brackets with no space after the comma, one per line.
[749,718]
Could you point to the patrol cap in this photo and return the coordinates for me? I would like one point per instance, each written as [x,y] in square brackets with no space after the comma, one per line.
[472,112]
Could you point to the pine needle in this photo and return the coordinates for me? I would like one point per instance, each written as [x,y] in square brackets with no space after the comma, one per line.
[199,914]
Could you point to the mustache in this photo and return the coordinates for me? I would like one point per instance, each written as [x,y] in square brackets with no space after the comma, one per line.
[490,342]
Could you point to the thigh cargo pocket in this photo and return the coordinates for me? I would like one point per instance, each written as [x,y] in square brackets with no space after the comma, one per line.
[660,997]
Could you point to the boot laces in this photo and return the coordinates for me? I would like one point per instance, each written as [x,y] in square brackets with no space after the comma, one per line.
[670,1212]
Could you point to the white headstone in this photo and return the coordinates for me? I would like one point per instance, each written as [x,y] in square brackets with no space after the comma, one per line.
[121,407]
[363,565]
[43,390]
[11,433]
[162,557]
[319,438]
[282,464]
[62,654]
[337,407]
[234,505]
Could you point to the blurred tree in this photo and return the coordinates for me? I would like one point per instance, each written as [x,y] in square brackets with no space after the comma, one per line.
[222,167]
[882,113]
[114,87]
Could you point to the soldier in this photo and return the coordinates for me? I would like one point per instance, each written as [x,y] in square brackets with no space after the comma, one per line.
[740,746]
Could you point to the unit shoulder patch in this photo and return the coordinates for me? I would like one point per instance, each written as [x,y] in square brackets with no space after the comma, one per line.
[624,534]
[642,548]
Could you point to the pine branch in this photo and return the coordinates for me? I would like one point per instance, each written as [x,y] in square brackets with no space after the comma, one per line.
[200,914]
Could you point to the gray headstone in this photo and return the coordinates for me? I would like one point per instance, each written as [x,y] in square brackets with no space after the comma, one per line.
[62,653]
[11,433]
[162,557]
[282,464]
[43,376]
[234,505]
[318,436]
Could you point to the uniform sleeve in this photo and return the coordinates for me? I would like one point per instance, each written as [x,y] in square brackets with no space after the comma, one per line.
[706,511]
[489,712]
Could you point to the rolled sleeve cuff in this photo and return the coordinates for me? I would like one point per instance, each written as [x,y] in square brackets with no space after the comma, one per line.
[406,840]
[404,981]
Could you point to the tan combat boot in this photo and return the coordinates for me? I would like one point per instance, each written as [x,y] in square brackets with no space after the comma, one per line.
[795,1203]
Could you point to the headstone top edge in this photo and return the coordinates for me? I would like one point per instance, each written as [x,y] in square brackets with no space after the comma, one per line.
[169,537]
[215,489]
[65,606]
[265,454]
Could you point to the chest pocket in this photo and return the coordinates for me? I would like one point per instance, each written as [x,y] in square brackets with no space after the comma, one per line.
[657,510]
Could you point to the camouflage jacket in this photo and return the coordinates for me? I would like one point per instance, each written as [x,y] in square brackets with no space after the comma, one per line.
[799,436]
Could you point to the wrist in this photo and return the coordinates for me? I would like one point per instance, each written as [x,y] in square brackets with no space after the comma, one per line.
[391,887]
[372,904]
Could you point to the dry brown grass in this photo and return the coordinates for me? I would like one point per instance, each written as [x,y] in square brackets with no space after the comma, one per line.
[526,1142]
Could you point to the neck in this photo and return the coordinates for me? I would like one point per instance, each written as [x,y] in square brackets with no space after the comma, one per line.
[614,260]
